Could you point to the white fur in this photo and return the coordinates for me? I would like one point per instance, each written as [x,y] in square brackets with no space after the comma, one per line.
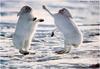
[24,32]
[72,35]
[71,32]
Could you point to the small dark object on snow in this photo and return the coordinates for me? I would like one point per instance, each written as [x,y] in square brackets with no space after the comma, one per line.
[75,57]
[94,34]
[60,52]
[86,41]
[95,65]
[52,34]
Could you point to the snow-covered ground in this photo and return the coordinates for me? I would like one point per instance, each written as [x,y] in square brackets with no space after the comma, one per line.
[85,14]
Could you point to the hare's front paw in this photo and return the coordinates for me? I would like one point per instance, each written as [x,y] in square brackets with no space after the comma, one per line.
[34,18]
[41,20]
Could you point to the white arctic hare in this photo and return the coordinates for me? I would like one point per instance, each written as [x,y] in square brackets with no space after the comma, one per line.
[72,35]
[25,29]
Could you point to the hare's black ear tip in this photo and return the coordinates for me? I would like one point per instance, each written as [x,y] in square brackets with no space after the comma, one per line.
[43,6]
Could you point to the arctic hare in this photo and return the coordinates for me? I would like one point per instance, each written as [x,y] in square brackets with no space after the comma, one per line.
[71,32]
[25,29]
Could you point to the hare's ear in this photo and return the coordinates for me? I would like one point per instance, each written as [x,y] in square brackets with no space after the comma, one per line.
[20,12]
[67,13]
